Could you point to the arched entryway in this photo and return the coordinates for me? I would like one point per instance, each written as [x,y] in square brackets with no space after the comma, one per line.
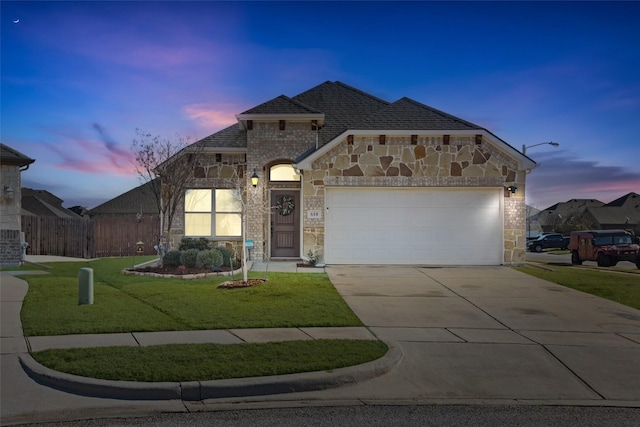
[286,212]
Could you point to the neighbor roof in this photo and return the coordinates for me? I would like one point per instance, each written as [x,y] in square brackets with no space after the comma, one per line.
[9,156]
[137,200]
[43,203]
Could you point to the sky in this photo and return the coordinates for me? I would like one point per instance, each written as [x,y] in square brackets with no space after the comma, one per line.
[78,79]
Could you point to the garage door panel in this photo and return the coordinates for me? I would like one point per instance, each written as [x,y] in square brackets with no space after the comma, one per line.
[414,226]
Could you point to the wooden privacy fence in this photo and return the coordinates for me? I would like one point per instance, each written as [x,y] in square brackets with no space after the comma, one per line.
[48,235]
[89,238]
[118,236]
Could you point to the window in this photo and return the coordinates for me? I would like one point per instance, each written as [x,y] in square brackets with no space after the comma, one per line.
[283,172]
[212,213]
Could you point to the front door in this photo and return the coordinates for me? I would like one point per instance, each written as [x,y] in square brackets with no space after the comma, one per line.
[285,224]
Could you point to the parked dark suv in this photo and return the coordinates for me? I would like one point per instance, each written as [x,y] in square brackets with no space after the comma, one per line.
[548,241]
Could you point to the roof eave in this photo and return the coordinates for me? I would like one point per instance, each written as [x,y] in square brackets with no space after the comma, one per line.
[243,118]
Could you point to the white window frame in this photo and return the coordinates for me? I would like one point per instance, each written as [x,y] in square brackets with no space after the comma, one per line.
[212,213]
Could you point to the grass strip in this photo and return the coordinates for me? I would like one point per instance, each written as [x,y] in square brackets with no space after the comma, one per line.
[124,303]
[201,362]
[620,287]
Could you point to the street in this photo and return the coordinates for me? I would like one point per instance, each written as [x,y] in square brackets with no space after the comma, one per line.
[364,415]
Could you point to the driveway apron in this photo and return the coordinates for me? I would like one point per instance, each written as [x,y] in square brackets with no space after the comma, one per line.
[493,333]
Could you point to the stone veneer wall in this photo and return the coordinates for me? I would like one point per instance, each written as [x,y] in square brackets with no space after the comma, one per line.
[362,161]
[266,146]
[10,211]
[423,161]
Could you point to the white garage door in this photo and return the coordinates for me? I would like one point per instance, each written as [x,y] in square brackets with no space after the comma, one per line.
[413,226]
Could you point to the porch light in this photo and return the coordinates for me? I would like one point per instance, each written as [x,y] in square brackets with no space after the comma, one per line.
[9,193]
[254,178]
[512,188]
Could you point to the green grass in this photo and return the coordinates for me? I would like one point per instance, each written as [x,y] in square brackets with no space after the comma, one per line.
[201,362]
[124,303]
[619,287]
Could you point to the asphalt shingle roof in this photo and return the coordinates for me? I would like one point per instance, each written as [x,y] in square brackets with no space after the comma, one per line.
[407,114]
[9,156]
[133,201]
[282,105]
[232,137]
[345,108]
[43,203]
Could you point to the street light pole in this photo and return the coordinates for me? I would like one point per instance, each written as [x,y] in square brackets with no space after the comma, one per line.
[524,148]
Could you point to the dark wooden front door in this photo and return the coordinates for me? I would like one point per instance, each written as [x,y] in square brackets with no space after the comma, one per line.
[285,224]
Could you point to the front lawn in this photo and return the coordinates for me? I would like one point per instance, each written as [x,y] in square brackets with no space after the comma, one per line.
[620,287]
[124,303]
[201,362]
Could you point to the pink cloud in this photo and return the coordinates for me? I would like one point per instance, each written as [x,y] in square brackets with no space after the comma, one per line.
[211,116]
[78,153]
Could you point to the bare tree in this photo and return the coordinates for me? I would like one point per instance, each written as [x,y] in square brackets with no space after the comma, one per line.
[168,164]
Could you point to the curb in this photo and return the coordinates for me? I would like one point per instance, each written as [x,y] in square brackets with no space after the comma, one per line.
[201,390]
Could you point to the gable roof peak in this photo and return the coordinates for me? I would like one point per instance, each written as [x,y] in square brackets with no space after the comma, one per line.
[281,104]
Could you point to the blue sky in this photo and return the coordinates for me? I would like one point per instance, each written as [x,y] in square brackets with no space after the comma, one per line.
[78,78]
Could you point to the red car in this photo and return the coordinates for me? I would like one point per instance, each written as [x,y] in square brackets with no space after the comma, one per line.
[606,247]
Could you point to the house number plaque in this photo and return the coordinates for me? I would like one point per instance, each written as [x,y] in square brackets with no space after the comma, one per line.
[314,214]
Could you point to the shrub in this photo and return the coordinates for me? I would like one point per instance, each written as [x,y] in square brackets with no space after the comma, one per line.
[209,259]
[188,257]
[226,254]
[171,259]
[200,244]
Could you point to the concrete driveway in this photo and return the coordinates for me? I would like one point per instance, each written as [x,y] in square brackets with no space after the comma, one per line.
[486,333]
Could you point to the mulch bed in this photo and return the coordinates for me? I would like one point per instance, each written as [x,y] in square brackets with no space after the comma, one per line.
[241,284]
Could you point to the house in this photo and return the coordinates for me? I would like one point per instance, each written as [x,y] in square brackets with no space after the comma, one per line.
[549,219]
[44,203]
[12,164]
[622,213]
[355,179]
[139,201]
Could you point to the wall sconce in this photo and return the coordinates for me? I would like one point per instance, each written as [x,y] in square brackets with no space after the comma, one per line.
[254,178]
[9,193]
[512,188]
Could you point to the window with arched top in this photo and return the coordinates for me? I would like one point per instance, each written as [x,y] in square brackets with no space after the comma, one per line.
[283,172]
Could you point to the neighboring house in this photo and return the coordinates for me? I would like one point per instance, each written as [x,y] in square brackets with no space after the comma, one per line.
[355,179]
[139,201]
[622,213]
[43,203]
[550,218]
[12,164]
[125,221]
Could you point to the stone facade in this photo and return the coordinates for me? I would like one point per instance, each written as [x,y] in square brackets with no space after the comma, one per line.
[416,161]
[358,161]
[267,145]
[10,211]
